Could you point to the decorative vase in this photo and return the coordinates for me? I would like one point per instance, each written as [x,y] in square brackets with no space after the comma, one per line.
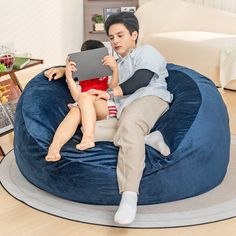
[99,27]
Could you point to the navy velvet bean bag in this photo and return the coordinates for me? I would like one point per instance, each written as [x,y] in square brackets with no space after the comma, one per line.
[195,128]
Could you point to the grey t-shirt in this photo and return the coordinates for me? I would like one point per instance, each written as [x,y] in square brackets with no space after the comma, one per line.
[144,57]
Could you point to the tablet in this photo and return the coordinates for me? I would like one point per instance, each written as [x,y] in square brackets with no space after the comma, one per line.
[89,64]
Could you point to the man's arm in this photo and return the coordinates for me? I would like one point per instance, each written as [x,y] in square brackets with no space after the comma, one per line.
[141,78]
[55,73]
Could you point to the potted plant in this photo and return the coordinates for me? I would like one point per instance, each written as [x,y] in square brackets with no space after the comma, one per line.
[98,22]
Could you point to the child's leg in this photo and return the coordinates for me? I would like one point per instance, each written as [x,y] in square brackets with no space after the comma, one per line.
[88,113]
[63,133]
[91,111]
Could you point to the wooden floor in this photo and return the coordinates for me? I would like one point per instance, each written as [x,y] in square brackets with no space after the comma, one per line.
[20,220]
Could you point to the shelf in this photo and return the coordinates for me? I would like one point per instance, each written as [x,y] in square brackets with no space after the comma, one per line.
[14,93]
[97,32]
[33,62]
[92,7]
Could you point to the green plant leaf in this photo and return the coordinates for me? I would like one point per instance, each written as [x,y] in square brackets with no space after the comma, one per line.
[98,18]
[2,67]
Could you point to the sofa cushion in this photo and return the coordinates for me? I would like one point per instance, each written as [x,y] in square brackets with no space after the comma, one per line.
[228,68]
[156,16]
[201,51]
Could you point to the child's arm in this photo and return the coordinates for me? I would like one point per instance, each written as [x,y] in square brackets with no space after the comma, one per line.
[74,90]
[111,62]
[114,80]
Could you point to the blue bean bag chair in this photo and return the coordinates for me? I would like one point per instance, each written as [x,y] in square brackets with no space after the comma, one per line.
[196,128]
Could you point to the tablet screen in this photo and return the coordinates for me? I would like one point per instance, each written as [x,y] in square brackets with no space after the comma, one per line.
[89,64]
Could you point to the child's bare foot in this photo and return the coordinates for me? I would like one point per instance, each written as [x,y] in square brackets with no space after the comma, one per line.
[53,154]
[86,143]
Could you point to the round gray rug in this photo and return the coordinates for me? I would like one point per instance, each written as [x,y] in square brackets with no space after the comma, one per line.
[215,205]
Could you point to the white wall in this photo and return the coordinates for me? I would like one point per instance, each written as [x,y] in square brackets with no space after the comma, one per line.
[226,5]
[48,29]
[141,2]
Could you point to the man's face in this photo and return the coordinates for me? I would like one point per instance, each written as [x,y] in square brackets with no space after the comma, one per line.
[121,40]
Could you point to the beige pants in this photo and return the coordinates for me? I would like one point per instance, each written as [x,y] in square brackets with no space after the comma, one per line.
[136,121]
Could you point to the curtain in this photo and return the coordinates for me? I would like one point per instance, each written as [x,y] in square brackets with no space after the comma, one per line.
[227,5]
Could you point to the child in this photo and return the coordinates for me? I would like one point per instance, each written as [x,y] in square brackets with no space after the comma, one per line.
[88,108]
[156,141]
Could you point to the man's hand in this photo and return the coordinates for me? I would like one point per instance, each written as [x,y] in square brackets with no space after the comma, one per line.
[99,94]
[55,73]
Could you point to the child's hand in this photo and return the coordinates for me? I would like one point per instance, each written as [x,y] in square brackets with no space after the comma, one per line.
[55,73]
[70,67]
[110,61]
[100,94]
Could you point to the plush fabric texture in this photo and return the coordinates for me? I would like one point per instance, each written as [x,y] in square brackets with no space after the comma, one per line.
[196,128]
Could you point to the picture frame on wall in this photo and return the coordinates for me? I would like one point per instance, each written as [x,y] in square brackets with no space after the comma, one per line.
[109,11]
[11,93]
[5,121]
[129,9]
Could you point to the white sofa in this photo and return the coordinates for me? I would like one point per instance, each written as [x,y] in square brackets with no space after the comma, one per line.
[192,35]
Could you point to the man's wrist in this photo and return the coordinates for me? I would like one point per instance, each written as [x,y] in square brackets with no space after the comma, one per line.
[110,91]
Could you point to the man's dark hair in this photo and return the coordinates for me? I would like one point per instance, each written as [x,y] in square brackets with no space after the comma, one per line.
[91,44]
[128,19]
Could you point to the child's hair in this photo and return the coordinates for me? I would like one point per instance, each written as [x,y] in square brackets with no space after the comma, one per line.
[91,44]
[128,19]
